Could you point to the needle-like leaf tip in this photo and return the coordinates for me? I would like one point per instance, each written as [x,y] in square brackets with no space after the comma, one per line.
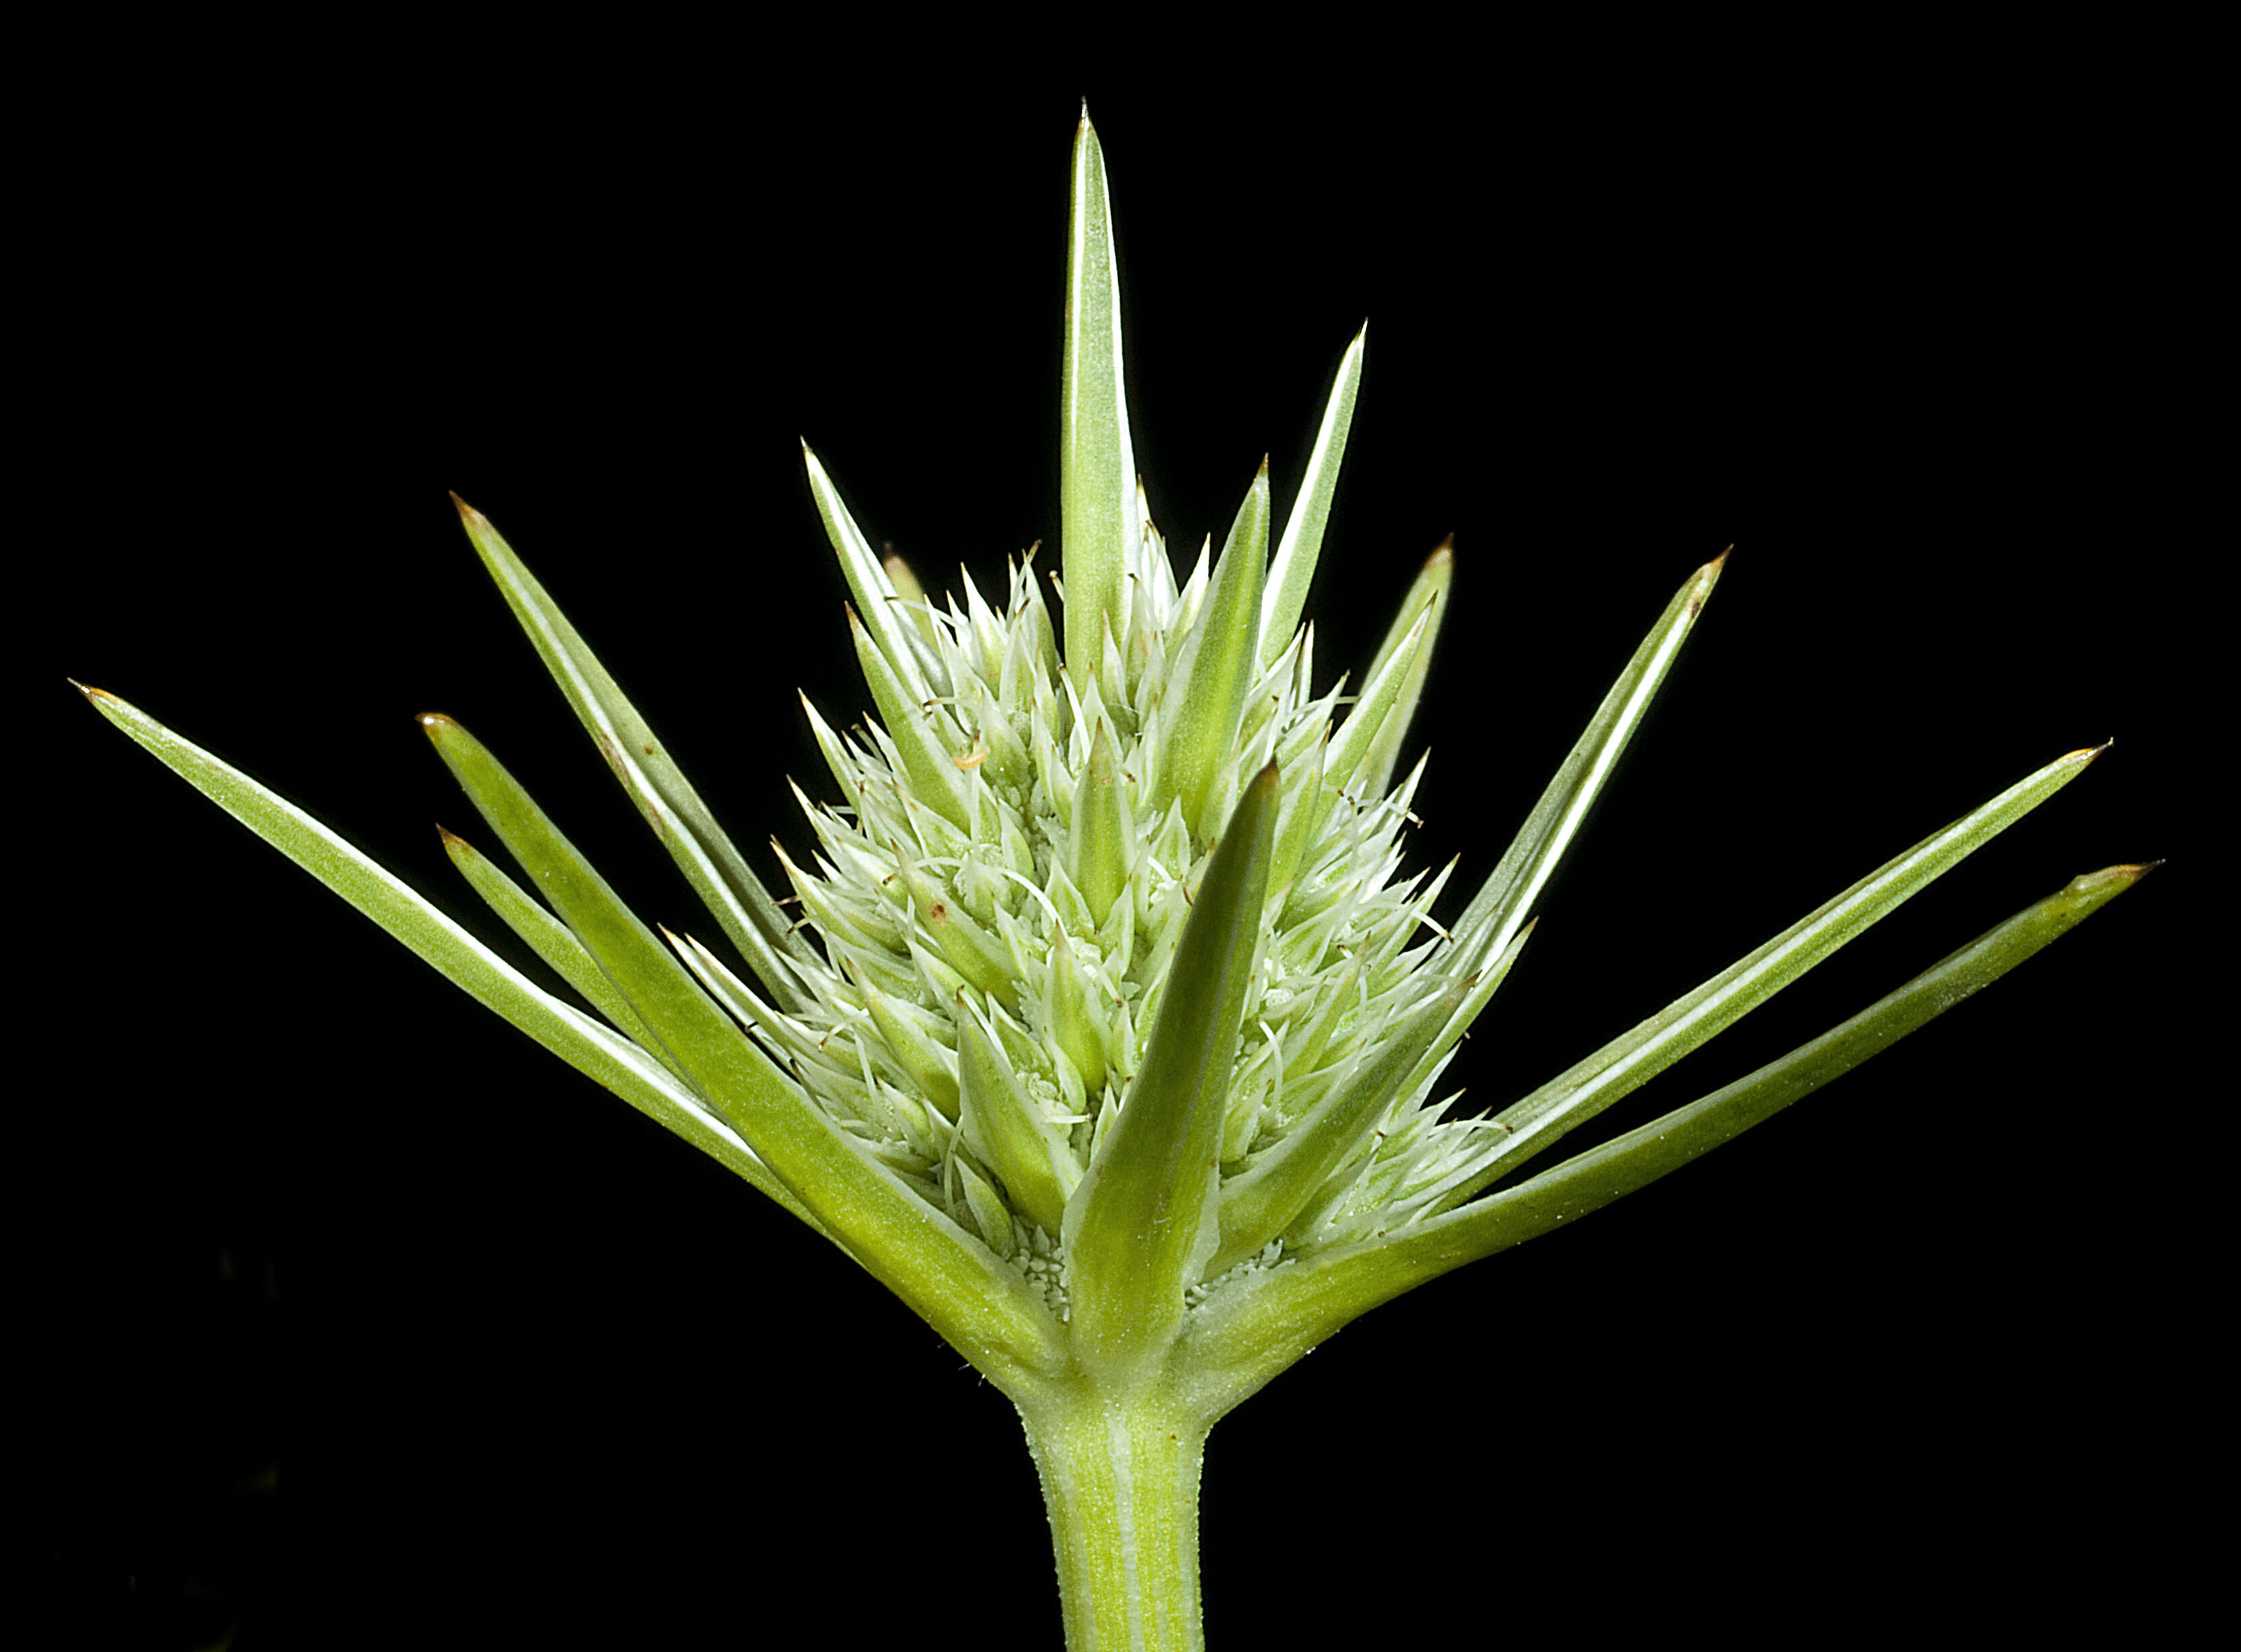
[1706,578]
[451,839]
[467,512]
[90,692]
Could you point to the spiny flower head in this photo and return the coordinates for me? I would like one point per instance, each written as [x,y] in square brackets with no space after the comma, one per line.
[988,923]
[999,896]
[1102,1024]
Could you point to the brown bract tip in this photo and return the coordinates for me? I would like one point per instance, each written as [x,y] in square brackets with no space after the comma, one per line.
[434,723]
[90,693]
[451,840]
[1706,578]
[467,512]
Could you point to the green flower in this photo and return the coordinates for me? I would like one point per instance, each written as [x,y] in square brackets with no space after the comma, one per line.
[1108,1027]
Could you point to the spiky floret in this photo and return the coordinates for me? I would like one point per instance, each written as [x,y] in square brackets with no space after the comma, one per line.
[1000,892]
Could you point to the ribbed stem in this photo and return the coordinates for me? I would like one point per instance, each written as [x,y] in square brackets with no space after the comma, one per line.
[1120,1483]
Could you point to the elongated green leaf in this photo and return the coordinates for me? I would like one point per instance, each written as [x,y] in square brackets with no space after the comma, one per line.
[599,1054]
[1427,596]
[1294,570]
[908,651]
[718,873]
[555,943]
[1636,1057]
[1244,1337]
[1380,696]
[1507,894]
[1217,666]
[1479,993]
[1099,510]
[1142,1225]
[983,1306]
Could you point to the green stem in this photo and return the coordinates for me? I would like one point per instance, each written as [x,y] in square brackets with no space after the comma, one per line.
[1120,1483]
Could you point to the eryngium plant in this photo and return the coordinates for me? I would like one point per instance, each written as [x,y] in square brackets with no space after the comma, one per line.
[1107,1034]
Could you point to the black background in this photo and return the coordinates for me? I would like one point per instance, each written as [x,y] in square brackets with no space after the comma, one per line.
[360,1316]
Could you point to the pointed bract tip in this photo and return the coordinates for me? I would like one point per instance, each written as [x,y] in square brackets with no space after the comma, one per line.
[467,512]
[1702,581]
[2109,881]
[2086,754]
[1261,476]
[1443,554]
[452,842]
[1268,778]
[90,693]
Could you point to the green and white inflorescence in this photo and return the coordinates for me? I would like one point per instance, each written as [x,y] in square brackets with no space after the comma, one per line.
[1105,985]
[1000,895]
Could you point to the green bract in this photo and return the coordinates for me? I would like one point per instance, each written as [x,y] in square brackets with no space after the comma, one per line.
[1107,1029]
